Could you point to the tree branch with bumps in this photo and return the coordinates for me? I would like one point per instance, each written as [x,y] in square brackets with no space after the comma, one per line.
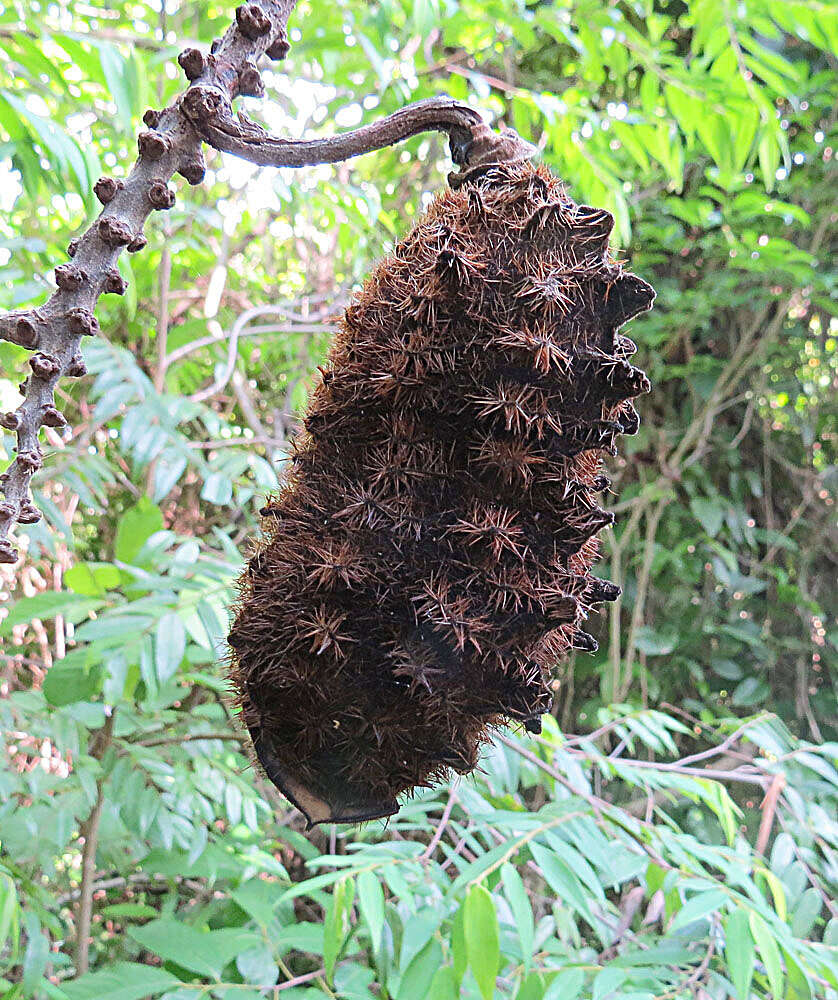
[172,143]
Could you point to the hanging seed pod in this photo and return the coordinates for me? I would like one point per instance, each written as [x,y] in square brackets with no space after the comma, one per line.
[428,559]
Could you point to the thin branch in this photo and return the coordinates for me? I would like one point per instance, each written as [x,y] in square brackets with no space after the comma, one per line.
[769,808]
[190,737]
[473,143]
[449,805]
[89,830]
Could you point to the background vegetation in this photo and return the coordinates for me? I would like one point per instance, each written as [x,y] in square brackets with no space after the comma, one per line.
[684,843]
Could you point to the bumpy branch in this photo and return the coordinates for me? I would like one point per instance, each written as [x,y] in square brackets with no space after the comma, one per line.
[172,144]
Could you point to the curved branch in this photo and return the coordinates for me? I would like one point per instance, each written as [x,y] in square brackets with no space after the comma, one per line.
[473,143]
[173,144]
[55,330]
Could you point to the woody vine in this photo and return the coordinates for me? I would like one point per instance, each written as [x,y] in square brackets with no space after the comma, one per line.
[172,144]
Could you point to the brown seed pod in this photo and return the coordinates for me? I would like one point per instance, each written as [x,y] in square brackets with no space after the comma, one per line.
[428,558]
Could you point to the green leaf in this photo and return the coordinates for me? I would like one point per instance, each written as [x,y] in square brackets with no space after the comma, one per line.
[710,514]
[417,977]
[769,952]
[36,954]
[69,682]
[130,911]
[444,985]
[697,907]
[169,646]
[532,988]
[519,903]
[739,952]
[9,914]
[73,607]
[561,879]
[567,985]
[480,927]
[371,902]
[459,953]
[204,952]
[135,527]
[121,981]
[257,965]
[336,923]
[94,579]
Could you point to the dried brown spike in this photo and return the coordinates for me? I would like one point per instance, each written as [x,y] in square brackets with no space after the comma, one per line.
[26,333]
[52,417]
[11,420]
[77,368]
[139,242]
[428,558]
[193,170]
[279,48]
[29,513]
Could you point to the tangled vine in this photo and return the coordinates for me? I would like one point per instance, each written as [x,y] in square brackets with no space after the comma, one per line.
[172,143]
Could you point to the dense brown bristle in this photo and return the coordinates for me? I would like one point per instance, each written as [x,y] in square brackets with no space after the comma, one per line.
[428,558]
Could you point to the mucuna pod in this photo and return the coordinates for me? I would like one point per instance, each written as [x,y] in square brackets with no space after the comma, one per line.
[428,558]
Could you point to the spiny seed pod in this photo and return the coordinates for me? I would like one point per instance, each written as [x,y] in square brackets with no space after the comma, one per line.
[428,559]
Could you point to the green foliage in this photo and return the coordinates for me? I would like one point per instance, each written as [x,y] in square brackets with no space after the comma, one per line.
[613,865]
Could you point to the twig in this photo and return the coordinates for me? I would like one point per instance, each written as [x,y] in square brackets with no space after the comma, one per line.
[89,830]
[446,814]
[187,737]
[769,808]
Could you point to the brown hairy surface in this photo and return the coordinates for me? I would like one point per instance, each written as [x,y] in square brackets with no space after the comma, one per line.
[427,560]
